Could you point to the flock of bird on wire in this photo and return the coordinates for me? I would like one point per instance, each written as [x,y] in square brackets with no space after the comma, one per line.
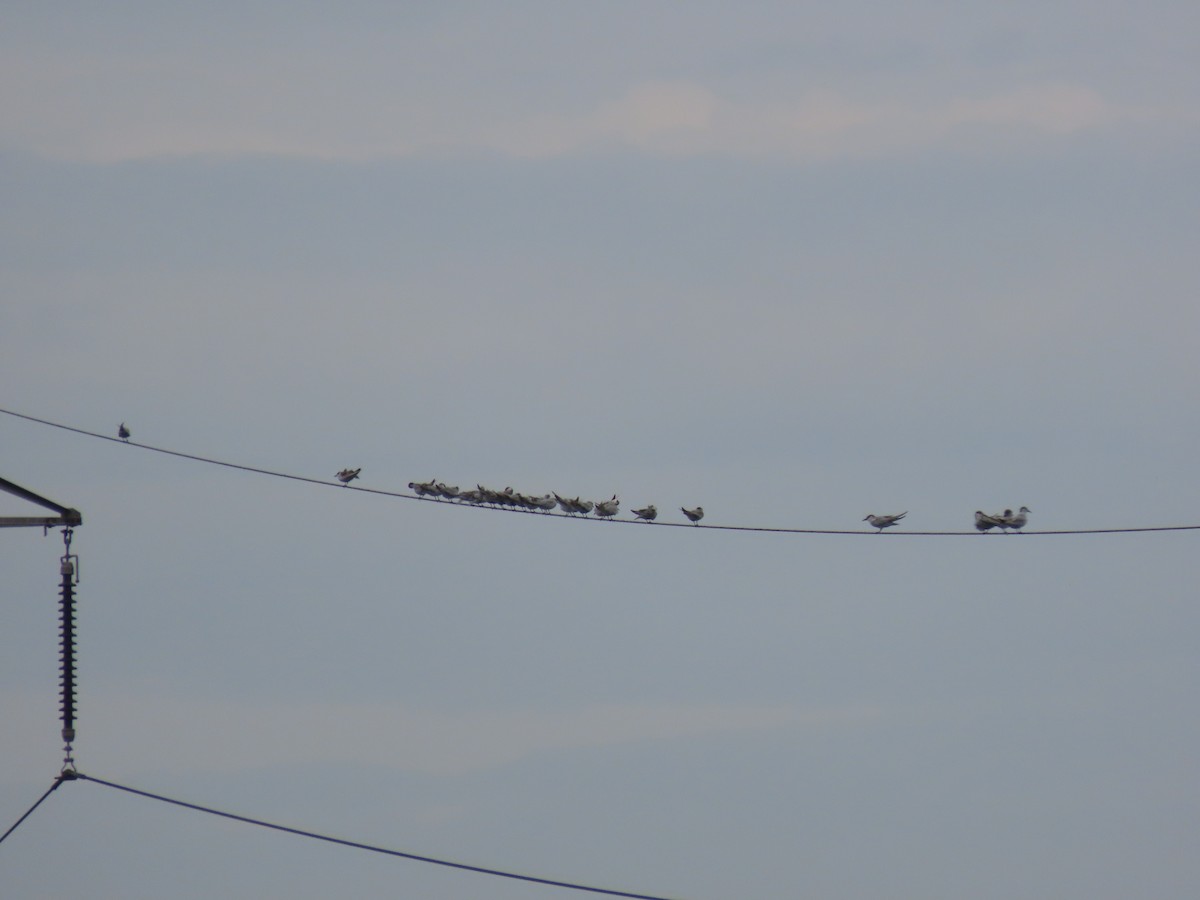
[510,499]
[608,509]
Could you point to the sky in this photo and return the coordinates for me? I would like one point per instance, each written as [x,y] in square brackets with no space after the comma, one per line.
[792,262]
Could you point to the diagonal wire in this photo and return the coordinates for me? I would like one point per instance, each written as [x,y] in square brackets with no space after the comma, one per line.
[359,846]
[745,528]
[57,781]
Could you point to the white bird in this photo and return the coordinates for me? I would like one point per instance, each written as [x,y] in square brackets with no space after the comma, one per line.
[608,508]
[695,515]
[984,522]
[348,475]
[545,503]
[450,492]
[581,506]
[649,514]
[882,522]
[1018,521]
[423,488]
[123,433]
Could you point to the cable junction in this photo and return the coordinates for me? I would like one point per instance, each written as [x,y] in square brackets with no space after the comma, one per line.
[400,495]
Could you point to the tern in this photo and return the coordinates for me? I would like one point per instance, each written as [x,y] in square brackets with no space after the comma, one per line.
[123,433]
[545,503]
[1018,521]
[348,475]
[422,488]
[695,515]
[882,522]
[649,514]
[450,492]
[608,508]
[984,522]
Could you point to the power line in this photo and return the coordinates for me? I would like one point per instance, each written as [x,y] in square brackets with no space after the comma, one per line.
[17,824]
[561,516]
[360,846]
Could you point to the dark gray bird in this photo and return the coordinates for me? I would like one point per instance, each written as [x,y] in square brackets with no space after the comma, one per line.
[348,475]
[694,515]
[882,522]
[648,514]
[123,433]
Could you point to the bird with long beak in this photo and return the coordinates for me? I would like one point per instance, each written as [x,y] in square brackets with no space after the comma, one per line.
[348,475]
[882,522]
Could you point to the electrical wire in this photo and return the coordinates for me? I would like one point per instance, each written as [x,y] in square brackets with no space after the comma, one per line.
[360,846]
[562,516]
[57,781]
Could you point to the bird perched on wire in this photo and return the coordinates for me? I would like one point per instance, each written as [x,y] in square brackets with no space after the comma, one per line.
[882,522]
[984,522]
[124,433]
[424,488]
[608,508]
[649,514]
[694,515]
[1017,521]
[348,475]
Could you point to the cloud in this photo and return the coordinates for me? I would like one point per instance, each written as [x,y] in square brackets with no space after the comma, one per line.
[106,110]
[135,731]
[683,119]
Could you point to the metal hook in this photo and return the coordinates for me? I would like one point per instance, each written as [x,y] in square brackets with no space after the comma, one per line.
[67,567]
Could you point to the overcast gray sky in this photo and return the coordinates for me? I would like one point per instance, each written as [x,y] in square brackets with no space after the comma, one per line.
[793,262]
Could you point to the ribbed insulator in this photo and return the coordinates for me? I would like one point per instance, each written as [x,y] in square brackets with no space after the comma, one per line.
[67,631]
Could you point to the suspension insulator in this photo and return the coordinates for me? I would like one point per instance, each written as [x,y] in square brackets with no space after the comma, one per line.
[67,624]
